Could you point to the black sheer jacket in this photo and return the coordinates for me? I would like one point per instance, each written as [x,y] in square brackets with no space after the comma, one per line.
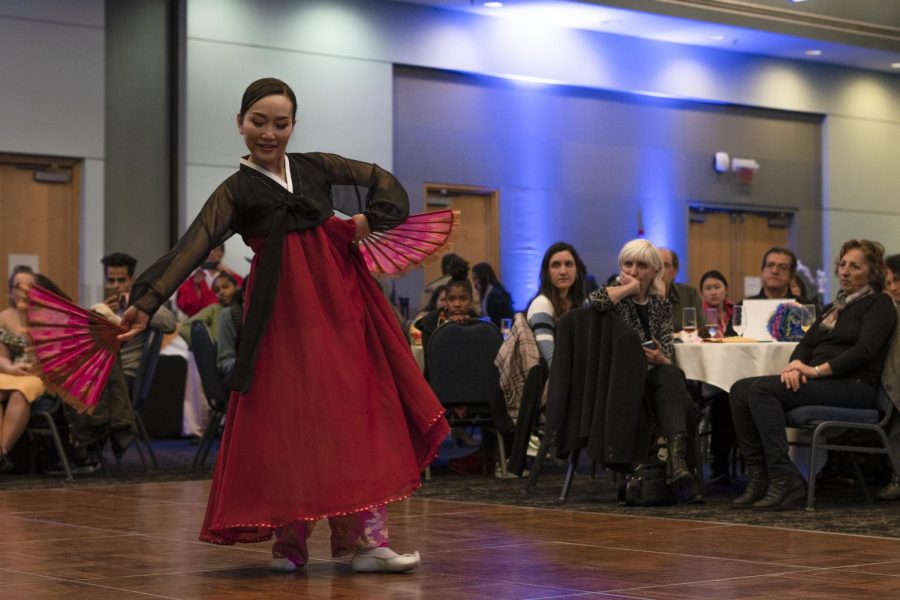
[253,205]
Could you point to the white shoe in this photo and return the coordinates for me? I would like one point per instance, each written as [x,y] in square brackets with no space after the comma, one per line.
[384,560]
[282,565]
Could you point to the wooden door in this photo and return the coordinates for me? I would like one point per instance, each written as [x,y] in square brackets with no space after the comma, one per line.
[477,237]
[733,242]
[40,216]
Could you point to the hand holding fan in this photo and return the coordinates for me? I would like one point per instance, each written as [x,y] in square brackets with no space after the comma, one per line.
[75,348]
[409,245]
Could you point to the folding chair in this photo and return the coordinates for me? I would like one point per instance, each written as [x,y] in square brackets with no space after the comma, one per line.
[461,371]
[140,389]
[828,421]
[214,389]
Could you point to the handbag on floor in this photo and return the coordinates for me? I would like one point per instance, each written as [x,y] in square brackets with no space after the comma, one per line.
[648,486]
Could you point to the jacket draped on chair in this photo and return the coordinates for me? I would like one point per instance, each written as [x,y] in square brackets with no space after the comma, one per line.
[596,389]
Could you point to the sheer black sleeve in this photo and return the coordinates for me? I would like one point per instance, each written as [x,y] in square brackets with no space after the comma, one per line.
[213,226]
[386,202]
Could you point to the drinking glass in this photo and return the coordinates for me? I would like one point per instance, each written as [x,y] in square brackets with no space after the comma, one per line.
[689,321]
[505,327]
[711,316]
[807,316]
[738,320]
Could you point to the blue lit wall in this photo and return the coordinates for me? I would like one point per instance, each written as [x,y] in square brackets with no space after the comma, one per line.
[591,168]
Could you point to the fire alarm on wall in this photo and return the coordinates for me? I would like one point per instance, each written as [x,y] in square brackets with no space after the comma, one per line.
[721,162]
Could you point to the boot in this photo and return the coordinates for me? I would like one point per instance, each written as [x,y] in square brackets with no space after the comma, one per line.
[889,492]
[783,492]
[687,489]
[756,488]
[677,462]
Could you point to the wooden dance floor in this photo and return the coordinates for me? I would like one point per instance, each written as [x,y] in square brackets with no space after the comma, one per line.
[140,541]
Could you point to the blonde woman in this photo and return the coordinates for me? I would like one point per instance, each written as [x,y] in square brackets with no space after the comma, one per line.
[638,300]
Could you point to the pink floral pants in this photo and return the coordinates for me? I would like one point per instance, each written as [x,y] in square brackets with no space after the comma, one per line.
[349,533]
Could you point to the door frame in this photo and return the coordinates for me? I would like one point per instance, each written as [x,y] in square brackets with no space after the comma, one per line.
[34,162]
[492,195]
[790,213]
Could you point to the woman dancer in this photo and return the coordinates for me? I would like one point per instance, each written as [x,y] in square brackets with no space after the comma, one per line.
[331,417]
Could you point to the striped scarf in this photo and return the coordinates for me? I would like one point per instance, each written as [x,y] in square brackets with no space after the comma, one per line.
[843,300]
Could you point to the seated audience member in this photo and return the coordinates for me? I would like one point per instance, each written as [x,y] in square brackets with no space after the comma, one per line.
[19,385]
[438,300]
[228,334]
[798,287]
[639,301]
[112,418]
[224,286]
[892,277]
[891,491]
[561,290]
[496,303]
[714,291]
[779,265]
[448,262]
[196,293]
[119,273]
[680,295]
[458,309]
[837,363]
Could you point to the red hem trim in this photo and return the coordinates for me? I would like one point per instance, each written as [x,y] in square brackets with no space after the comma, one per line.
[224,540]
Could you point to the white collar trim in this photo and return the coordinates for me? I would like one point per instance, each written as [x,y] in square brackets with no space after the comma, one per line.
[288,185]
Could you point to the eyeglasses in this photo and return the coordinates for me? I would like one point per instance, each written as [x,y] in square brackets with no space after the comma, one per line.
[780,267]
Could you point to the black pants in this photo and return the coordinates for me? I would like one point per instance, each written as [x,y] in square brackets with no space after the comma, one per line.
[722,438]
[672,404]
[758,405]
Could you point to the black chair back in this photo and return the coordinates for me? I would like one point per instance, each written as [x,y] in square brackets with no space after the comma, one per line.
[205,356]
[460,360]
[143,379]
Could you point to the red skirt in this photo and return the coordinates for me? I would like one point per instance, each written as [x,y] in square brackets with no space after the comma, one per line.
[338,418]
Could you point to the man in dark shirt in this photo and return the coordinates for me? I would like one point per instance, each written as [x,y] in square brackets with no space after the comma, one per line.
[778,268]
[680,295]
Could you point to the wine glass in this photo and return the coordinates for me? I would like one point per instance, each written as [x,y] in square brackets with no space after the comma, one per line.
[689,321]
[738,320]
[807,316]
[505,327]
[711,316]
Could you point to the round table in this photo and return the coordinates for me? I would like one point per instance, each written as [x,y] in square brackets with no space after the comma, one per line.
[721,364]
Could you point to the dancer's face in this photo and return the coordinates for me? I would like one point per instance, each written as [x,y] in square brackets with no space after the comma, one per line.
[267,127]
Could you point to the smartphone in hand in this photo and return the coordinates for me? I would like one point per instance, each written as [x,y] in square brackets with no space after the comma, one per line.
[650,345]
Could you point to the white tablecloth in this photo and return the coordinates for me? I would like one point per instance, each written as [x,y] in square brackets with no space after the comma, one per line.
[723,364]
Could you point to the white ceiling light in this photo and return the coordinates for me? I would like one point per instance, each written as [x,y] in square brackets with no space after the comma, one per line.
[813,53]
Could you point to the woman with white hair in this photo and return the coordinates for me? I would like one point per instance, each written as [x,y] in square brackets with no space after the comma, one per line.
[637,298]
